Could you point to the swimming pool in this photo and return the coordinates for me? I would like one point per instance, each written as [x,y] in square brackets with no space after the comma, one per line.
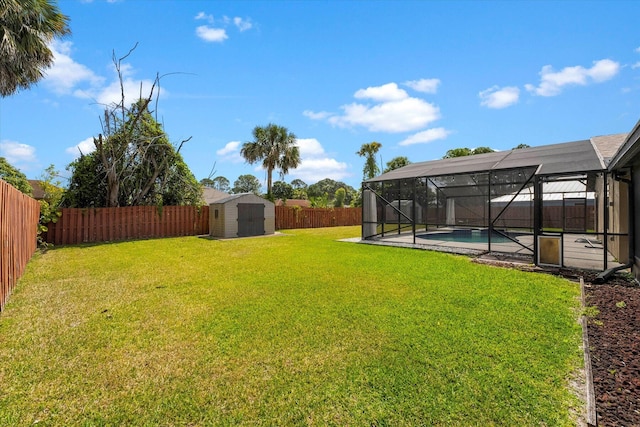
[467,236]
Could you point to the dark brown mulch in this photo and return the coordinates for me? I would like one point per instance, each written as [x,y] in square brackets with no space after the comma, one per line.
[614,341]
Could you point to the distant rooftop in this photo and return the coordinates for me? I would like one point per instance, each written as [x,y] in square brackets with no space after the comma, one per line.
[211,195]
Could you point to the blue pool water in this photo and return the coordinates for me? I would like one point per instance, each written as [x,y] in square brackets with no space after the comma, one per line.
[465,236]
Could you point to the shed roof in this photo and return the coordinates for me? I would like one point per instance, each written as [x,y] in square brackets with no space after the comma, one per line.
[241,196]
[564,158]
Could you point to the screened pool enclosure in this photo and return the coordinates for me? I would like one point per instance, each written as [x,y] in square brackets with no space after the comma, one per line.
[556,205]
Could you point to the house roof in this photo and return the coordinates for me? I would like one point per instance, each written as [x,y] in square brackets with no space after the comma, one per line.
[564,158]
[38,190]
[608,145]
[555,190]
[211,195]
[629,150]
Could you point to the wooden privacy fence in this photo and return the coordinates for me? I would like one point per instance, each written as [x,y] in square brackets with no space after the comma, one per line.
[94,225]
[288,217]
[19,215]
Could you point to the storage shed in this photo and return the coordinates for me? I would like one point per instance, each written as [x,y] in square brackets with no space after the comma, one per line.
[241,215]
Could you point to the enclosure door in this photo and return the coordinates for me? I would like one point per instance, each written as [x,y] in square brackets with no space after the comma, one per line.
[250,219]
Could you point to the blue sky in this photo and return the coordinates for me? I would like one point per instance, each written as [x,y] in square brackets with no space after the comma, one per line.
[420,77]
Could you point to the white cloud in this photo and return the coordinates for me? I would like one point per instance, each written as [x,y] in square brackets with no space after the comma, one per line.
[309,148]
[393,110]
[426,136]
[231,152]
[68,77]
[637,50]
[636,65]
[242,24]
[551,82]
[66,74]
[203,16]
[216,30]
[210,34]
[314,170]
[17,153]
[112,94]
[496,97]
[321,115]
[85,146]
[315,164]
[403,115]
[424,85]
[388,92]
[603,70]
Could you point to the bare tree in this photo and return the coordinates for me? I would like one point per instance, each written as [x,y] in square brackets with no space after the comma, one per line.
[133,148]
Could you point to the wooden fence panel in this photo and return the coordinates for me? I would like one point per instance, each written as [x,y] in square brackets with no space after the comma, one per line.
[288,217]
[94,225]
[19,216]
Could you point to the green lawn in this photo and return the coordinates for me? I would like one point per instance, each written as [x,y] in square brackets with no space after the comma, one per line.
[296,329]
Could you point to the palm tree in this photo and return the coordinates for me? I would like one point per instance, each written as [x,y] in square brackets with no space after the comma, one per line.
[276,147]
[26,29]
[368,151]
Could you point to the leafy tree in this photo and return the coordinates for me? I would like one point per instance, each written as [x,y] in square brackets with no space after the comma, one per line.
[300,193]
[27,27]
[482,150]
[369,151]
[88,184]
[458,152]
[246,184]
[221,183]
[396,163]
[134,165]
[340,195]
[177,186]
[14,177]
[277,149]
[282,190]
[51,202]
[356,201]
[134,161]
[298,184]
[299,189]
[321,201]
[329,186]
[207,182]
[519,146]
[461,152]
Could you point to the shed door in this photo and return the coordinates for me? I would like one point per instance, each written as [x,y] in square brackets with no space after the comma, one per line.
[250,219]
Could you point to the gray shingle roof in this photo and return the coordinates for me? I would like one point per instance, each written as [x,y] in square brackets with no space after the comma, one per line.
[564,158]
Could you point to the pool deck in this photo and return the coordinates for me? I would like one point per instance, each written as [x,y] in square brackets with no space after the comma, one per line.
[577,253]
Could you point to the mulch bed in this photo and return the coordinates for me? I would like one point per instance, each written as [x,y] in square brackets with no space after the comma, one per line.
[614,341]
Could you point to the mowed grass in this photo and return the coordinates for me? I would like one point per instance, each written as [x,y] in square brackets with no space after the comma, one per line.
[295,329]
